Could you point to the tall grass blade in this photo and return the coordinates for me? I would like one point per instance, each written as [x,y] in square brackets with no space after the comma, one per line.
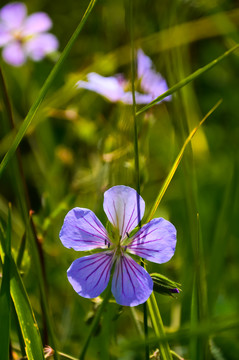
[158,327]
[188,79]
[177,162]
[21,192]
[27,121]
[27,322]
[5,298]
[199,345]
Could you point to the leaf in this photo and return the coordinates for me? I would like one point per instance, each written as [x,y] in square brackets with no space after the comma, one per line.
[27,322]
[158,327]
[177,162]
[5,299]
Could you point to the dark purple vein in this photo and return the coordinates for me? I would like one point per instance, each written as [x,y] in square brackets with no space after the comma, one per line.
[100,277]
[125,262]
[95,269]
[129,222]
[132,264]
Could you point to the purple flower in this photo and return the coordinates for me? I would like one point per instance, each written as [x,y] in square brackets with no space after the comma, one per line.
[114,88]
[23,36]
[82,231]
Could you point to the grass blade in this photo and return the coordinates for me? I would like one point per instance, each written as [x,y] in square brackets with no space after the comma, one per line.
[188,79]
[199,300]
[27,121]
[177,162]
[158,327]
[5,299]
[21,191]
[27,322]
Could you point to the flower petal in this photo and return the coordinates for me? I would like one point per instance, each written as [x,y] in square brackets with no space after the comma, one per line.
[151,82]
[13,54]
[90,275]
[139,98]
[110,87]
[13,15]
[5,35]
[124,208]
[41,45]
[154,84]
[144,63]
[131,284]
[155,241]
[36,23]
[82,230]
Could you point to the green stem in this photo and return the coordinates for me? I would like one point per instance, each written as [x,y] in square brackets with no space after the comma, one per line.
[95,322]
[47,84]
[136,155]
[136,146]
[158,327]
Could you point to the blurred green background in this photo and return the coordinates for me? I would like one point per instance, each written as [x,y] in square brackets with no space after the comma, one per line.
[79,144]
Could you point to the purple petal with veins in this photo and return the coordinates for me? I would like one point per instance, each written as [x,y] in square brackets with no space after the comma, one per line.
[155,241]
[82,230]
[131,284]
[124,208]
[13,15]
[90,275]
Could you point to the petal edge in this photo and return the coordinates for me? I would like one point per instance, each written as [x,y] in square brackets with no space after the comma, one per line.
[82,231]
[89,275]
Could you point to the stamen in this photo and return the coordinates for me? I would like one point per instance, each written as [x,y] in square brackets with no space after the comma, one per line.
[127,234]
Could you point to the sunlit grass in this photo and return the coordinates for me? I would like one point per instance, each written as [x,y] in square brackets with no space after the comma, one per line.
[62,147]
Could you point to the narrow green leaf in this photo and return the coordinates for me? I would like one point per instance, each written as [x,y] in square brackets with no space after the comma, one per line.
[158,327]
[198,345]
[188,79]
[27,322]
[177,162]
[21,192]
[5,299]
[27,121]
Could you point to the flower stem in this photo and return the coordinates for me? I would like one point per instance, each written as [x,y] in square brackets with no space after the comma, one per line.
[136,154]
[136,146]
[158,327]
[95,322]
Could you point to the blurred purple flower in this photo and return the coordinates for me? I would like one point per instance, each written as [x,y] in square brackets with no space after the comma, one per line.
[82,231]
[113,88]
[23,36]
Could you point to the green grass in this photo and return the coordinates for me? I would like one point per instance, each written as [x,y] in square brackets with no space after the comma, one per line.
[61,147]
